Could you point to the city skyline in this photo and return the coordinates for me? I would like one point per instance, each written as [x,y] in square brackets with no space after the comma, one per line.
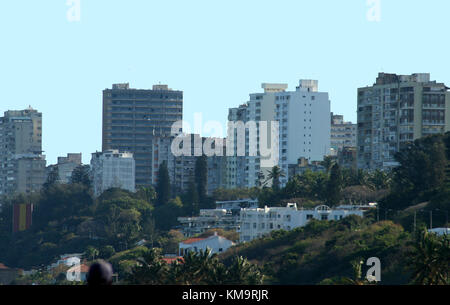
[216,63]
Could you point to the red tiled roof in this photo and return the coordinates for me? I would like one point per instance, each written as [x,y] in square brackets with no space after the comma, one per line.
[192,240]
[81,268]
[170,260]
[3,267]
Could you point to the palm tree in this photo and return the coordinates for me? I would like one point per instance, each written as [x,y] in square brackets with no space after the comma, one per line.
[328,162]
[151,269]
[275,174]
[197,268]
[430,259]
[242,272]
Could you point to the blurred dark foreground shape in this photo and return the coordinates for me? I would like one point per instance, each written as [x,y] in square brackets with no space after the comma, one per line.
[100,273]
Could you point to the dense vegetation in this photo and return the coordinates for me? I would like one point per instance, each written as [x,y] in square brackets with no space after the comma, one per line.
[68,219]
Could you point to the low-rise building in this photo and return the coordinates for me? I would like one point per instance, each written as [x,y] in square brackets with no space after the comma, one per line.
[440,231]
[303,165]
[77,273]
[215,243]
[255,223]
[235,206]
[209,219]
[67,260]
[8,275]
[65,167]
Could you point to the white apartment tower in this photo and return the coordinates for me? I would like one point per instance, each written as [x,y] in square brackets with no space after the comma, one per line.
[305,127]
[248,170]
[298,125]
[112,168]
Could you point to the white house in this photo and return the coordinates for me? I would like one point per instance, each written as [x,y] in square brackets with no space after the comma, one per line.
[77,273]
[67,260]
[209,219]
[255,223]
[217,244]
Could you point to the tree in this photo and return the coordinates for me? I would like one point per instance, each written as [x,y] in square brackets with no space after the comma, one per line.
[52,178]
[430,259]
[163,185]
[334,186]
[166,215]
[242,272]
[201,179]
[275,174]
[91,252]
[151,269]
[422,166]
[191,201]
[107,251]
[146,193]
[328,162]
[81,175]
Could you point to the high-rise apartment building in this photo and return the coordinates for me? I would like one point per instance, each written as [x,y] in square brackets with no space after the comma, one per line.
[22,165]
[297,125]
[181,168]
[396,110]
[132,118]
[305,127]
[112,168]
[343,134]
[244,168]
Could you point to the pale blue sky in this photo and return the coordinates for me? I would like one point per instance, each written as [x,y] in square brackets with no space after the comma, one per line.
[216,51]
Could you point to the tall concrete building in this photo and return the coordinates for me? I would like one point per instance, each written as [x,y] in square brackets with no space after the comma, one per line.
[235,165]
[303,119]
[244,168]
[22,165]
[132,118]
[305,126]
[181,168]
[396,110]
[343,134]
[112,168]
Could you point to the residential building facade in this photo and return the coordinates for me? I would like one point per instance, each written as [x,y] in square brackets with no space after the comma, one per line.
[215,243]
[132,118]
[256,223]
[110,169]
[22,165]
[343,134]
[65,167]
[305,127]
[209,219]
[396,110]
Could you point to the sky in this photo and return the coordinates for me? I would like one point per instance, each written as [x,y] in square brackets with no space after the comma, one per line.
[59,59]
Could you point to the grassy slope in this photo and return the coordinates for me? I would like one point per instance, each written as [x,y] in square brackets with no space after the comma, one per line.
[324,250]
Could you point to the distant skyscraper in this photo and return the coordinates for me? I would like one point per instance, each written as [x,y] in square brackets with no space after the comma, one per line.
[132,118]
[396,110]
[22,165]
